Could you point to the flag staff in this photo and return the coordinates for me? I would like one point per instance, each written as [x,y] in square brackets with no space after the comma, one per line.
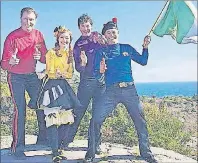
[154,25]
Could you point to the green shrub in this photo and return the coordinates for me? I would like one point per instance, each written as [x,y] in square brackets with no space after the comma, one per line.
[5,129]
[164,129]
[31,124]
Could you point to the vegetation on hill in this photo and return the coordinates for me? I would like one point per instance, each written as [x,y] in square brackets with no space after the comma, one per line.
[166,122]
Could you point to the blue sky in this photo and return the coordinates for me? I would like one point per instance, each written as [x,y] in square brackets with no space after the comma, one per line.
[168,61]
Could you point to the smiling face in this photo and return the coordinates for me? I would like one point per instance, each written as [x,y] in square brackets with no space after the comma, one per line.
[112,36]
[64,40]
[28,21]
[85,28]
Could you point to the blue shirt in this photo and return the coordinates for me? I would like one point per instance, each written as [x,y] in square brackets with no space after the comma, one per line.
[118,60]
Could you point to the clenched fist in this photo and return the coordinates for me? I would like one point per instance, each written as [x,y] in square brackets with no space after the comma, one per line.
[147,40]
[37,54]
[83,58]
[14,60]
[103,66]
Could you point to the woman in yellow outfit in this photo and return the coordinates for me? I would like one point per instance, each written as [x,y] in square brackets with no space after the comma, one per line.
[57,97]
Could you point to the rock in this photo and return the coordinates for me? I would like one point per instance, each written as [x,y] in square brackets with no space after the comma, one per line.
[112,153]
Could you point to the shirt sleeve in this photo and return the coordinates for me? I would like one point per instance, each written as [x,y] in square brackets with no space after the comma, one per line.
[141,59]
[43,49]
[50,64]
[76,53]
[7,54]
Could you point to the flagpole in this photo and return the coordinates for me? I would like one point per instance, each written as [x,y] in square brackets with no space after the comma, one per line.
[154,25]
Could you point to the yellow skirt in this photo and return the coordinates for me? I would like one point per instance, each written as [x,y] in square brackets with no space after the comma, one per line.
[60,117]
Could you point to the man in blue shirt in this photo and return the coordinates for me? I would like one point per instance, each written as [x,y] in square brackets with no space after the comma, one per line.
[113,64]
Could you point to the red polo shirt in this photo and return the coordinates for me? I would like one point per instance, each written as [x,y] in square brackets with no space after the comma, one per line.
[26,43]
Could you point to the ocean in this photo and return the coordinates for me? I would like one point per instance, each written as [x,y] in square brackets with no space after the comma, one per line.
[161,89]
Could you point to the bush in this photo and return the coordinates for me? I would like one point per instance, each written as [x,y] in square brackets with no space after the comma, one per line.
[164,129]
[5,129]
[31,122]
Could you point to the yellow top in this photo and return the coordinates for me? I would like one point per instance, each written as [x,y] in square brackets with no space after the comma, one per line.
[55,63]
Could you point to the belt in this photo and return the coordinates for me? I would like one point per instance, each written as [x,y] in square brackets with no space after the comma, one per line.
[124,84]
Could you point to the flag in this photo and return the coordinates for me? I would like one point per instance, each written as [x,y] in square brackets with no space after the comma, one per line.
[180,21]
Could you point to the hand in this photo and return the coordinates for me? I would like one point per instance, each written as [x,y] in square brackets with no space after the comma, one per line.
[37,54]
[98,38]
[83,58]
[103,66]
[147,41]
[14,60]
[58,74]
[102,40]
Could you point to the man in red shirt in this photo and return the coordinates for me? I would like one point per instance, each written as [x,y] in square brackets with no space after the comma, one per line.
[22,49]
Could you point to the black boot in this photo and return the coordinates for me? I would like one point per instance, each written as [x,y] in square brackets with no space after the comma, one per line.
[55,157]
[98,150]
[61,155]
[89,156]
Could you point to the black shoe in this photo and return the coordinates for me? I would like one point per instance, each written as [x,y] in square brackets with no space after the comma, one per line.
[61,155]
[98,151]
[19,155]
[56,159]
[150,159]
[89,157]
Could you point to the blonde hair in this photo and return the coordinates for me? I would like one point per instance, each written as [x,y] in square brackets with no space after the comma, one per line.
[57,32]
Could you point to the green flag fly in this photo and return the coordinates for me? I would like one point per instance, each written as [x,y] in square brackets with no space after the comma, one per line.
[180,21]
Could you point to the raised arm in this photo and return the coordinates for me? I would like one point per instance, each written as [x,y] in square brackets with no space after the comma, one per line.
[43,49]
[143,58]
[7,54]
[78,65]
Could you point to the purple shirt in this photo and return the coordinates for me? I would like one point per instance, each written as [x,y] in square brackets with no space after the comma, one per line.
[85,43]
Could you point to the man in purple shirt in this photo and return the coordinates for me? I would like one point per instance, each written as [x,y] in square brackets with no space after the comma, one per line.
[89,87]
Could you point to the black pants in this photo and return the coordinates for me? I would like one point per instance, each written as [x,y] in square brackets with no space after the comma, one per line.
[18,84]
[56,135]
[89,88]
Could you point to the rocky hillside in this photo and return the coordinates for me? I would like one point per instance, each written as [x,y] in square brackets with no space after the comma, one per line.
[183,109]
[112,153]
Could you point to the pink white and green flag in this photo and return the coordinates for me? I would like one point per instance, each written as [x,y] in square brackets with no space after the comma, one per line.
[179,21]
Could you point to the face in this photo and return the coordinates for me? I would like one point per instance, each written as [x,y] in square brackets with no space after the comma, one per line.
[28,21]
[112,36]
[85,29]
[64,40]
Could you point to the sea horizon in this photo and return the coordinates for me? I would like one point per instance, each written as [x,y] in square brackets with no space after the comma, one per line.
[162,89]
[137,82]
